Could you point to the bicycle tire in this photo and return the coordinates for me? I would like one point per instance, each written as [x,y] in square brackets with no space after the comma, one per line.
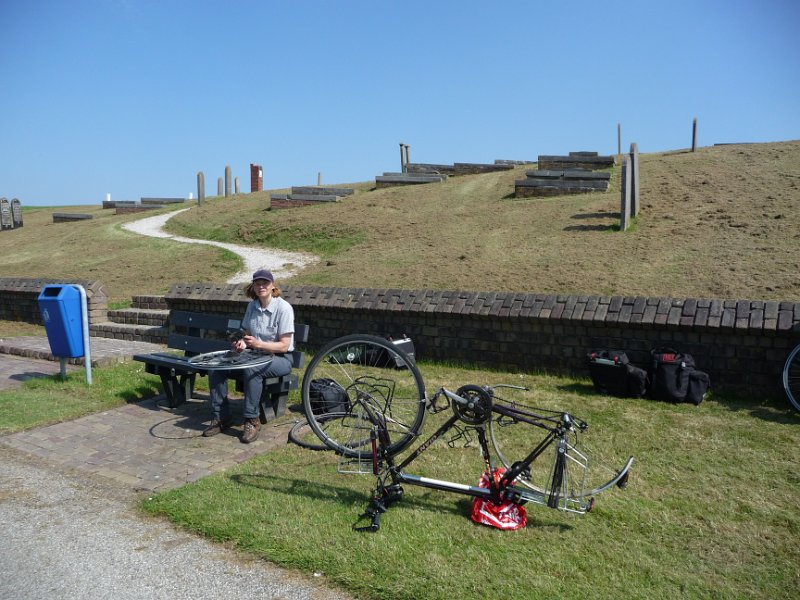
[372,370]
[579,473]
[302,435]
[229,360]
[791,377]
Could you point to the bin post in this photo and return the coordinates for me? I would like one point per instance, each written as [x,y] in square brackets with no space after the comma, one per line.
[87,356]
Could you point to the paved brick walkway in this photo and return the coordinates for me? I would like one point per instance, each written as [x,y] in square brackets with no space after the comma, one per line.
[145,446]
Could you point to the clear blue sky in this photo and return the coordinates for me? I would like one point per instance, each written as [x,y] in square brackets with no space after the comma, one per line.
[134,97]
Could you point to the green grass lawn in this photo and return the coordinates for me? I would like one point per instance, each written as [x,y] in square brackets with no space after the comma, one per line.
[711,509]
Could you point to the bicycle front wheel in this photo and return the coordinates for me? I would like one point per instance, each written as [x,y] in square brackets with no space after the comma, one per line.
[791,377]
[353,376]
[567,474]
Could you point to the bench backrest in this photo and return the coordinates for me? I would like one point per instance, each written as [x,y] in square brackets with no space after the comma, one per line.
[205,332]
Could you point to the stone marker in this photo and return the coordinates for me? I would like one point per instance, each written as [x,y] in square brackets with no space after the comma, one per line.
[16,212]
[6,220]
[201,187]
[625,195]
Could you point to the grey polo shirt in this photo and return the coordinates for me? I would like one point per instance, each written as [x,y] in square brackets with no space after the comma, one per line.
[269,324]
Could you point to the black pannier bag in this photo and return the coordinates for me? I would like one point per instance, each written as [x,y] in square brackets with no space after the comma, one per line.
[380,357]
[327,396]
[612,373]
[673,377]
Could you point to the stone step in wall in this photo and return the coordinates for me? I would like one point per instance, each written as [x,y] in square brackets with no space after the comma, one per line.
[576,160]
[557,183]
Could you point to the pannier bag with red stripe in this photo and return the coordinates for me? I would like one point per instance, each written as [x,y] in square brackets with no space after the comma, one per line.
[613,373]
[673,377]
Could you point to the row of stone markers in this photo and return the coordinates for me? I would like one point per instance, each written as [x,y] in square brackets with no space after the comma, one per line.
[304,195]
[417,173]
[144,204]
[575,173]
[10,214]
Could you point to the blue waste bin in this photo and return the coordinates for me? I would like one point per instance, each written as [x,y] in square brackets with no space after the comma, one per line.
[60,306]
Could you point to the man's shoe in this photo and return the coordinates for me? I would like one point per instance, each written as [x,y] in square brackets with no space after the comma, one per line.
[251,429]
[216,426]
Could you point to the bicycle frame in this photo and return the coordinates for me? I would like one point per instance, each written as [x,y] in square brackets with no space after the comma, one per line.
[391,476]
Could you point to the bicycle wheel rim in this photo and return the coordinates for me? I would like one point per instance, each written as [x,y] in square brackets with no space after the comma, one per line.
[301,434]
[791,378]
[371,370]
[587,471]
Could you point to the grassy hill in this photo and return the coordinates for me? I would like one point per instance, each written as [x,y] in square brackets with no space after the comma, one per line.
[723,222]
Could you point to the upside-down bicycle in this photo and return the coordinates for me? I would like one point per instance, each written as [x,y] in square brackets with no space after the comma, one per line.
[385,411]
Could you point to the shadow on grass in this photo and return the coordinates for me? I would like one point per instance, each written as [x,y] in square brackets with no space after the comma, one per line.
[341,495]
[582,389]
[140,393]
[589,228]
[770,408]
[597,215]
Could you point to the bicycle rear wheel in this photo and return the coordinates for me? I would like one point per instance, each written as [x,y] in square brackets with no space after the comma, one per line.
[791,377]
[566,475]
[358,371]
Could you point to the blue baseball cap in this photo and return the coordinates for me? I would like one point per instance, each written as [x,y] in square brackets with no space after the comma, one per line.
[263,274]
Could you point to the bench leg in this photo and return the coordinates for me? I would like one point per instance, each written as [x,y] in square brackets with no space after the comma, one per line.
[177,389]
[273,405]
[172,390]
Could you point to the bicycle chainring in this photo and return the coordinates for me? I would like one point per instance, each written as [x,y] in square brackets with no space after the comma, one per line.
[478,406]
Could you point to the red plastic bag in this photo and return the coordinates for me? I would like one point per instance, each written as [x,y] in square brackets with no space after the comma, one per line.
[506,515]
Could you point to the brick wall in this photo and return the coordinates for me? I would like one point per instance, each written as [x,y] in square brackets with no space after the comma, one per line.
[742,344]
[19,299]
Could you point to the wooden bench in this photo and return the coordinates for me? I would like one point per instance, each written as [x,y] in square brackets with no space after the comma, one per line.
[196,333]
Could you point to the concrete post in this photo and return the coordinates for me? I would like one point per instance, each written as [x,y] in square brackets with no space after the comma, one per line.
[634,166]
[227,181]
[408,158]
[236,185]
[219,186]
[402,159]
[201,188]
[319,178]
[694,134]
[625,195]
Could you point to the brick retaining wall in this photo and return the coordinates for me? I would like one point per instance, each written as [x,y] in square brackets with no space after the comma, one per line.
[19,299]
[742,344]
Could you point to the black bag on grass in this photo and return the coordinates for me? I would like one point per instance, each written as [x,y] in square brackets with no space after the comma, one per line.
[612,373]
[327,396]
[673,377]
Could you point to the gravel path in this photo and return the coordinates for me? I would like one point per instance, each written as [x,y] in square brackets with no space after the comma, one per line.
[68,537]
[282,264]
